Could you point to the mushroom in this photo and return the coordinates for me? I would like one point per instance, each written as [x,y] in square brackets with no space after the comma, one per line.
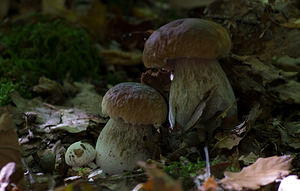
[133,109]
[190,48]
[80,154]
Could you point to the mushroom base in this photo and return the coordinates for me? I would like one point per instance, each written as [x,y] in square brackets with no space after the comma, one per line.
[120,146]
[193,79]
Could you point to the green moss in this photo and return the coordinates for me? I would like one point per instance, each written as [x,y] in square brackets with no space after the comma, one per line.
[7,87]
[185,171]
[50,48]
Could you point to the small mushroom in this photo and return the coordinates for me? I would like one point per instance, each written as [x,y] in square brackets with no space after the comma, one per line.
[190,48]
[133,109]
[80,154]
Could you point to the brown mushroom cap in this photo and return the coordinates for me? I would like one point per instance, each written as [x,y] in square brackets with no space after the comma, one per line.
[186,38]
[135,103]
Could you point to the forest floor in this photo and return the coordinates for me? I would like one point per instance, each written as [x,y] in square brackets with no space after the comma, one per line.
[59,58]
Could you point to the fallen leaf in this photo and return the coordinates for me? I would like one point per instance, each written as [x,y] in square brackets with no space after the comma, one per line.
[218,169]
[46,117]
[288,63]
[9,148]
[210,184]
[24,105]
[6,122]
[284,42]
[119,57]
[293,127]
[289,139]
[158,180]
[265,71]
[87,99]
[86,107]
[288,92]
[73,121]
[240,131]
[249,159]
[264,171]
[51,88]
[228,142]
[45,159]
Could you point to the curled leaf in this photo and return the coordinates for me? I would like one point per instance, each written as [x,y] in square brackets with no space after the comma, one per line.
[264,171]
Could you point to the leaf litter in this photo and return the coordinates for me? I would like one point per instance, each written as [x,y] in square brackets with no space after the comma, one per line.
[264,171]
[264,69]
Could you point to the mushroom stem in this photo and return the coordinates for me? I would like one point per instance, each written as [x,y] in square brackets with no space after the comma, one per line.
[120,145]
[193,79]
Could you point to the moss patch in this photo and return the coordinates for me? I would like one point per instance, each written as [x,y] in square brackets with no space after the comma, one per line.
[7,87]
[50,48]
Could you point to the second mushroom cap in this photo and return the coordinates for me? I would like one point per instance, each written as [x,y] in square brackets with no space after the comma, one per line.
[133,109]
[135,103]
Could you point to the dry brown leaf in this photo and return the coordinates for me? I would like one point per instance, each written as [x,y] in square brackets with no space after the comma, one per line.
[240,131]
[6,122]
[51,88]
[228,142]
[119,57]
[267,72]
[158,180]
[248,159]
[210,184]
[9,148]
[264,171]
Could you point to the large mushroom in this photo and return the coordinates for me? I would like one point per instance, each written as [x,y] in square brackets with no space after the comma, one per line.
[133,109]
[190,48]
